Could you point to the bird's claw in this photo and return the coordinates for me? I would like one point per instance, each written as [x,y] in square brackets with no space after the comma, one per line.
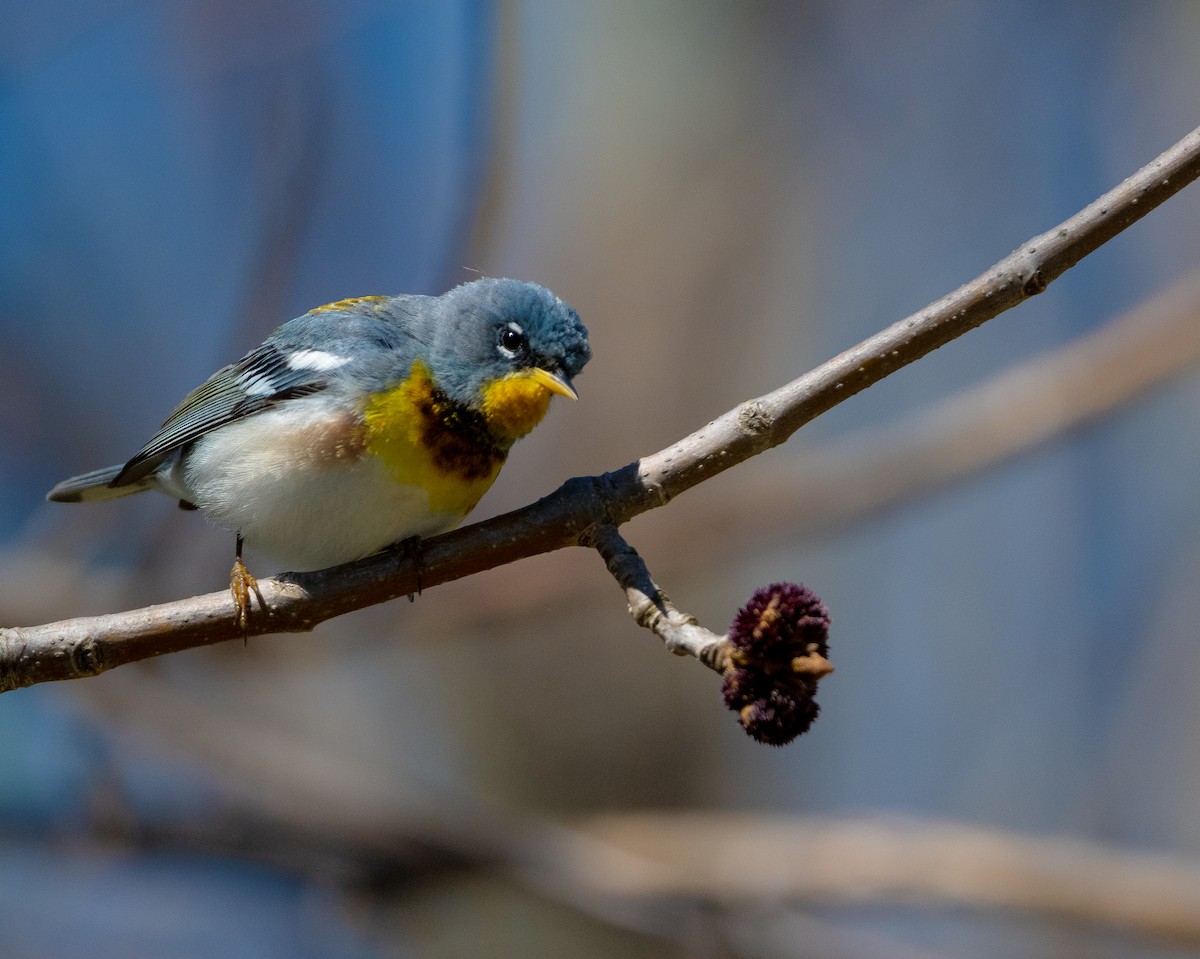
[241,584]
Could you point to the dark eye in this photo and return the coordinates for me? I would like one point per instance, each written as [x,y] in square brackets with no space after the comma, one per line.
[512,340]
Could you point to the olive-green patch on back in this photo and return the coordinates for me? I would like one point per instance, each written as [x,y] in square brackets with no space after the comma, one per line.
[348,305]
[428,440]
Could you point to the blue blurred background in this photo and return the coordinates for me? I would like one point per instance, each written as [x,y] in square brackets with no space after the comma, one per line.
[729,193]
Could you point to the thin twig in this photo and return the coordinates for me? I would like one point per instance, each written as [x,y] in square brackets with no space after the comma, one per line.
[90,645]
[649,605]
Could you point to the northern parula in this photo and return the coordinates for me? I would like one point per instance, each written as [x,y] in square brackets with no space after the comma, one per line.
[359,424]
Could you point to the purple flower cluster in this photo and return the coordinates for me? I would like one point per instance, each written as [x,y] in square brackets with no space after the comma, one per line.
[778,648]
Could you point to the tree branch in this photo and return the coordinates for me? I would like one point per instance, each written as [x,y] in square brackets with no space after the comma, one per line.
[298,602]
[857,475]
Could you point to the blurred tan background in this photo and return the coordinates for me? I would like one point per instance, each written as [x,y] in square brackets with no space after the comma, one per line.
[729,193]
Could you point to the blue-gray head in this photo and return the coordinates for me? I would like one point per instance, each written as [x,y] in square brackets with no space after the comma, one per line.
[501,343]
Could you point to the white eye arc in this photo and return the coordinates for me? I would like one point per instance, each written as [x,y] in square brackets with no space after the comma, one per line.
[512,340]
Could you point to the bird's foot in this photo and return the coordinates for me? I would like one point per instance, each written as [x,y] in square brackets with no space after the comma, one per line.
[242,583]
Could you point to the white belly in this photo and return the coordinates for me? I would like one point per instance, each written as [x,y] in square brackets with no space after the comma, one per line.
[303,511]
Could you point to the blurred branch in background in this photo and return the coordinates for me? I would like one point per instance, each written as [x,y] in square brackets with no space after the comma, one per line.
[734,860]
[295,602]
[332,818]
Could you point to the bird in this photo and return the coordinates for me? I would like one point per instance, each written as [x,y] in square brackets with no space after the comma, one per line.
[361,424]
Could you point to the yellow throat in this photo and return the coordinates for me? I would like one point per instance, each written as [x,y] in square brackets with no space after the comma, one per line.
[451,451]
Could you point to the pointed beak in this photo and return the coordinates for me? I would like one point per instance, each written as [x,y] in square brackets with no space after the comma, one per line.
[553,382]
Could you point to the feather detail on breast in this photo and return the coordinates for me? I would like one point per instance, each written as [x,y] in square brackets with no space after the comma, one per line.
[428,440]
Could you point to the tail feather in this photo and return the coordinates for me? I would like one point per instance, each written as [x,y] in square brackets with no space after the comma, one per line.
[94,486]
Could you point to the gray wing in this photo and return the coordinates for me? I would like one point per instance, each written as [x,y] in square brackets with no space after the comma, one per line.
[259,380]
[376,336]
[373,338]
